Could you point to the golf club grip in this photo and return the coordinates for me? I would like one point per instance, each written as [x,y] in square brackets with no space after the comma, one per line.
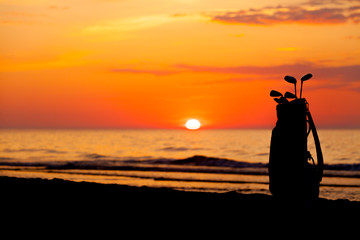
[319,154]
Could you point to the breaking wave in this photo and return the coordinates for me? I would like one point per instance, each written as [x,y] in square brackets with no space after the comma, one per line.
[197,163]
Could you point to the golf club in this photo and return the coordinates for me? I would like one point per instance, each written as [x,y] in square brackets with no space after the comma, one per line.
[284,100]
[275,93]
[289,95]
[292,80]
[281,100]
[303,79]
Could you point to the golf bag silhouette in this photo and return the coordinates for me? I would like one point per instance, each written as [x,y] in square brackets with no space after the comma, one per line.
[293,172]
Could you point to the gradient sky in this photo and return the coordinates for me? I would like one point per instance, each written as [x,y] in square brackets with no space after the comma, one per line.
[157,63]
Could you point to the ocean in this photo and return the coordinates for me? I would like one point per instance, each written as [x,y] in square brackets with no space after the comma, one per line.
[202,160]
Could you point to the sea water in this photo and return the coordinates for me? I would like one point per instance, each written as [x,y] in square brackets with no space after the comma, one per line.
[225,160]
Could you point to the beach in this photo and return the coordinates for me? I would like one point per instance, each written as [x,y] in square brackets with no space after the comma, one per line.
[214,161]
[162,178]
[67,198]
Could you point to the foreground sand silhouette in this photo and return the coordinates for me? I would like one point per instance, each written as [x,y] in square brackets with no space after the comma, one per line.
[74,198]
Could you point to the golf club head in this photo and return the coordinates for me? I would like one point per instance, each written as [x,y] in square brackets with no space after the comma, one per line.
[275,93]
[290,79]
[290,95]
[281,100]
[306,77]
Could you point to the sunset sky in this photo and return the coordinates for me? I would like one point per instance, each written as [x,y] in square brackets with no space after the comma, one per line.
[158,63]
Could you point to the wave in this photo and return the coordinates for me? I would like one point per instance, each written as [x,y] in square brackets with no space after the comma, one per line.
[346,167]
[98,160]
[30,150]
[180,149]
[199,160]
[197,163]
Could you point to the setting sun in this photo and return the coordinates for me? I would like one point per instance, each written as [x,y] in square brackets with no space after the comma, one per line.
[193,124]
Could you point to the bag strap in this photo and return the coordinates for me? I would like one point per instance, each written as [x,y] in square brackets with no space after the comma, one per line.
[319,155]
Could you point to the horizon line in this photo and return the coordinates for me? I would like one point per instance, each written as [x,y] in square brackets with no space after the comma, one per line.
[158,128]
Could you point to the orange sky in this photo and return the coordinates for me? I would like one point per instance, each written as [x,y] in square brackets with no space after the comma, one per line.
[157,63]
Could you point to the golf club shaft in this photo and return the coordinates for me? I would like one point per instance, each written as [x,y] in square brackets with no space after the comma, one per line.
[301,88]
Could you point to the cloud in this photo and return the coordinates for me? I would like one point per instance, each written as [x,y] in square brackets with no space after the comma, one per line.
[138,23]
[304,14]
[257,70]
[156,72]
[349,73]
[344,77]
[325,77]
[129,24]
[344,73]
[327,2]
[353,37]
[355,17]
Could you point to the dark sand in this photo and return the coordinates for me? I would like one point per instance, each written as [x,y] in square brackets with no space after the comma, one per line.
[66,197]
[65,209]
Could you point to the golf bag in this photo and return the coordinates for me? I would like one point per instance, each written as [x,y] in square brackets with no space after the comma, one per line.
[293,172]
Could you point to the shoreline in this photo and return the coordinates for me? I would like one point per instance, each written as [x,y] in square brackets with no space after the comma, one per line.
[63,196]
